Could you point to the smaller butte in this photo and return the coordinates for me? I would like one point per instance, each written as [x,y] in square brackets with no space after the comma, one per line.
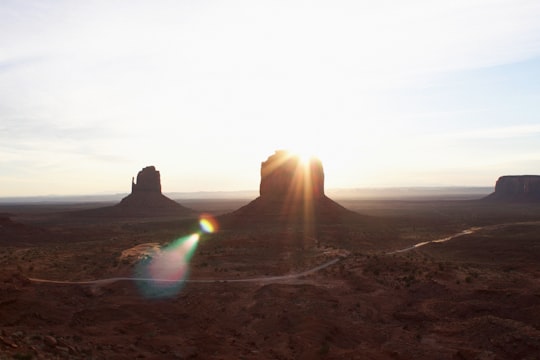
[146,196]
[145,200]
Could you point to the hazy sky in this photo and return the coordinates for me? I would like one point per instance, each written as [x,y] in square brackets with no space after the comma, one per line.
[386,93]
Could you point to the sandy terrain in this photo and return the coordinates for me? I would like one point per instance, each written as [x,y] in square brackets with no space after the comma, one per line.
[473,297]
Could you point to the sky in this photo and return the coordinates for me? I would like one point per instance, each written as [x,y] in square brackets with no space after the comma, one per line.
[386,93]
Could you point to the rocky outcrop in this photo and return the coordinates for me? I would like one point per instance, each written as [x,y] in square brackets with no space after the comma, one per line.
[519,188]
[291,191]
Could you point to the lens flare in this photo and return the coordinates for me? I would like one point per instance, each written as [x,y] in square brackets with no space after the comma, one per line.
[208,224]
[165,271]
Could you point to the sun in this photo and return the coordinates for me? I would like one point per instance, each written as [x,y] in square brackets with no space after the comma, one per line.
[305,158]
[304,155]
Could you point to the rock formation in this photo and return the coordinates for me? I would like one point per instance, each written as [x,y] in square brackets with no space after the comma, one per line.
[145,200]
[519,188]
[292,192]
[148,180]
[282,174]
[146,195]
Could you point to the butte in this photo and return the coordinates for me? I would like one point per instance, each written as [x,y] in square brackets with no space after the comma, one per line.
[145,200]
[146,195]
[291,193]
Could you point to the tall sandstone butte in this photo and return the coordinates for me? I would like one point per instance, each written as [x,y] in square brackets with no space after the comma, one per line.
[519,188]
[148,180]
[292,191]
[145,201]
[284,175]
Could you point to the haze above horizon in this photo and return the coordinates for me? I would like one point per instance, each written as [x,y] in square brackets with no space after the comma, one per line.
[386,94]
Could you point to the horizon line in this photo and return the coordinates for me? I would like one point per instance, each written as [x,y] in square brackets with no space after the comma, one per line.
[256,191]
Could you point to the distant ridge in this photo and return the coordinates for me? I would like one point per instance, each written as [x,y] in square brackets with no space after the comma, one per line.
[12,232]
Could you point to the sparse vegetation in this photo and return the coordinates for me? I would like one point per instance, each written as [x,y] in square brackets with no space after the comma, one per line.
[368,300]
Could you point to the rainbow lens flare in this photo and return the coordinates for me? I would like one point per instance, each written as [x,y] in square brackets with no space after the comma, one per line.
[208,224]
[164,273]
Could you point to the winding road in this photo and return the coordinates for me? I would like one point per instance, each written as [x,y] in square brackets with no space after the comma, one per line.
[423,243]
[280,277]
[256,279]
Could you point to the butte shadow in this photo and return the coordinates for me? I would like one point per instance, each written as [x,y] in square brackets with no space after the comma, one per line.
[291,195]
[145,200]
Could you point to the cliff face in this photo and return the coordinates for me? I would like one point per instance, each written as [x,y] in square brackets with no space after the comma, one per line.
[148,180]
[517,188]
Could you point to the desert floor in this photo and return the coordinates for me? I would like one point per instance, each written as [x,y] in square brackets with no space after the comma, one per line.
[476,296]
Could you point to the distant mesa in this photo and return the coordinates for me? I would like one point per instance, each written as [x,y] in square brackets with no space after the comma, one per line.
[292,191]
[517,188]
